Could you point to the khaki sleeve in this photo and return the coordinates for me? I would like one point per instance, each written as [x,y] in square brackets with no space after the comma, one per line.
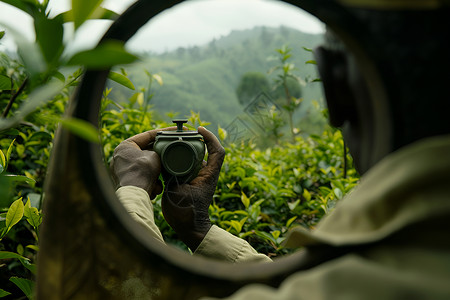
[138,204]
[217,244]
[350,277]
[222,245]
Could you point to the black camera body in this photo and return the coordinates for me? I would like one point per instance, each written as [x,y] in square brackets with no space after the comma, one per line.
[181,152]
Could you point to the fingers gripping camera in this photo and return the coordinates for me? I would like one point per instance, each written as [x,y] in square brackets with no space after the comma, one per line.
[181,152]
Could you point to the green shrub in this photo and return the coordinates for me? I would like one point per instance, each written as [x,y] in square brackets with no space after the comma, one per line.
[262,192]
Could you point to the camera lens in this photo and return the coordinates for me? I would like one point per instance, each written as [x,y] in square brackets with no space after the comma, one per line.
[179,158]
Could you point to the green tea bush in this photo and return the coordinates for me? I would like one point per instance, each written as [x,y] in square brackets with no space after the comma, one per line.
[24,155]
[263,193]
[263,189]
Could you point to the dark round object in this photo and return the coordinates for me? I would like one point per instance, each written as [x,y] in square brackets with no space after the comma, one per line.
[179,158]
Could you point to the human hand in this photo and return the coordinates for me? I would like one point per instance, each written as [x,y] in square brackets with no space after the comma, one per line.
[134,165]
[185,206]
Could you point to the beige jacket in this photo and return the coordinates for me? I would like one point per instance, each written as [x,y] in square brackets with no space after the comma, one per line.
[397,221]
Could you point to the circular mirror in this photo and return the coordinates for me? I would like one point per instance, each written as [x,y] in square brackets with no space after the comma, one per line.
[244,70]
[258,112]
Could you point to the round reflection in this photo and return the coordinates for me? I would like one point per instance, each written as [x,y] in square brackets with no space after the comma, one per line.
[244,70]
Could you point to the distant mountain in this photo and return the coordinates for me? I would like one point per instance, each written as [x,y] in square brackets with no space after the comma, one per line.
[204,79]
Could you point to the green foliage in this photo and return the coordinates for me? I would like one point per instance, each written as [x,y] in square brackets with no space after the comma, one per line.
[13,216]
[34,90]
[263,190]
[25,285]
[104,55]
[81,128]
[121,79]
[16,214]
[263,193]
[33,216]
[287,85]
[13,224]
[294,88]
[43,59]
[82,9]
[205,78]
[5,82]
[250,86]
[4,293]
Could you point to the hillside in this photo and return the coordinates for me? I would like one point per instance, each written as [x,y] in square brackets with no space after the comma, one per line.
[204,79]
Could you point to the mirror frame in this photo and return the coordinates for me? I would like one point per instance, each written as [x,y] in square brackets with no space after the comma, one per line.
[85,105]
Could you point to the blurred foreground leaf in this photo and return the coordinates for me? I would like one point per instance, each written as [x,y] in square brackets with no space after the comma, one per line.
[103,56]
[49,36]
[38,97]
[5,82]
[83,9]
[99,13]
[81,128]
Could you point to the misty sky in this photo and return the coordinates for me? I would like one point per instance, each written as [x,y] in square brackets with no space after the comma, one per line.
[194,22]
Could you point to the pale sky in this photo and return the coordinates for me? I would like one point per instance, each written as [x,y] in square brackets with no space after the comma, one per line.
[194,22]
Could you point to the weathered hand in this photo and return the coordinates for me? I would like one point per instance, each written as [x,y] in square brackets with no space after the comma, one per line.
[185,206]
[133,165]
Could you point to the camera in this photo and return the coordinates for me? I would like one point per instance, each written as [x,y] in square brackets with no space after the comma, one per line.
[181,152]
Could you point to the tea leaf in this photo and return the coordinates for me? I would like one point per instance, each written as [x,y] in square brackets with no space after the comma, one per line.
[306,195]
[98,13]
[4,293]
[245,200]
[14,214]
[293,205]
[289,222]
[140,99]
[7,255]
[338,193]
[222,133]
[24,284]
[27,264]
[8,153]
[121,79]
[2,162]
[19,249]
[103,56]
[19,178]
[276,234]
[32,215]
[33,247]
[237,226]
[82,9]
[158,79]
